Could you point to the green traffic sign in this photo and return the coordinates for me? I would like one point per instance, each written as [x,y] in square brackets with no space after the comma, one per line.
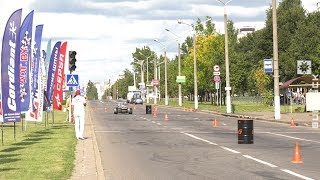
[181,79]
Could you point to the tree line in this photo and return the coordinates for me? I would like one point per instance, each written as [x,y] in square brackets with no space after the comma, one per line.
[298,39]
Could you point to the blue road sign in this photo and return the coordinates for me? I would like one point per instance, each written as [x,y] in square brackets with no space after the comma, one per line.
[72,80]
[268,66]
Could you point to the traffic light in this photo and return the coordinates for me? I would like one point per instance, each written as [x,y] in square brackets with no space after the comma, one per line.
[72,61]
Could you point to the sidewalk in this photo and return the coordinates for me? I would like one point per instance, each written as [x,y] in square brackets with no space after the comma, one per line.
[88,162]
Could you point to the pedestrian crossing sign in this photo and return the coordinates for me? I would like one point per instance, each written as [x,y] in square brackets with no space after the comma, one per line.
[72,80]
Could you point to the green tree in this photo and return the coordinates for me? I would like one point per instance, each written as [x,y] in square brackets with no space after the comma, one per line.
[92,92]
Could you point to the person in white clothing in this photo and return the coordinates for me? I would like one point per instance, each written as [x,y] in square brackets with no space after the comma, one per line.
[78,113]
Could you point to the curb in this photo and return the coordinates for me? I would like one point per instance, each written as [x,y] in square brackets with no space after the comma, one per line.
[244,116]
[98,163]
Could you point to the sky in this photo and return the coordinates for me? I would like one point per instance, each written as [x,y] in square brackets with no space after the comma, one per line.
[105,33]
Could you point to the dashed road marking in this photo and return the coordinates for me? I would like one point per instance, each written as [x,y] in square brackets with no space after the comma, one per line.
[260,161]
[296,174]
[159,124]
[231,150]
[249,157]
[291,137]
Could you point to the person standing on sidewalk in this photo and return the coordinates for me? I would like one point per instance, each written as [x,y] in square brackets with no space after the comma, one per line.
[68,107]
[78,113]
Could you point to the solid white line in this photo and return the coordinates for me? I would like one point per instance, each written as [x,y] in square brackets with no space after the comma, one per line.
[231,150]
[260,161]
[291,137]
[153,122]
[296,174]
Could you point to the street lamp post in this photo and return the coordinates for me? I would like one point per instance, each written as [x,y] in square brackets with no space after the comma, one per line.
[142,74]
[155,78]
[228,88]
[179,66]
[275,62]
[165,72]
[147,75]
[194,66]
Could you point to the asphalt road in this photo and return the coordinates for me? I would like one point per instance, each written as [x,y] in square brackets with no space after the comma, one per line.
[187,146]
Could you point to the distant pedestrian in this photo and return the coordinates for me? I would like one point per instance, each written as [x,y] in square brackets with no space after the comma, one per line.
[68,107]
[78,113]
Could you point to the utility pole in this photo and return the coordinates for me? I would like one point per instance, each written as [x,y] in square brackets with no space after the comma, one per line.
[275,62]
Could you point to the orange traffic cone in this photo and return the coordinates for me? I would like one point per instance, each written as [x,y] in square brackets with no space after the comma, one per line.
[215,123]
[292,123]
[296,155]
[166,117]
[105,110]
[154,114]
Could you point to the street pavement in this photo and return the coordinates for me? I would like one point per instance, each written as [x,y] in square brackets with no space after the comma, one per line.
[88,161]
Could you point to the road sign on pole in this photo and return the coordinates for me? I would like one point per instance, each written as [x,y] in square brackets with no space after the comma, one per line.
[72,80]
[268,66]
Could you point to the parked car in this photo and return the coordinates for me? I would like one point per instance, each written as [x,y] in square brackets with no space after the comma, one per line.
[122,107]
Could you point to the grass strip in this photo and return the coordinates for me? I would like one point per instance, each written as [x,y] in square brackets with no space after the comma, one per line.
[39,151]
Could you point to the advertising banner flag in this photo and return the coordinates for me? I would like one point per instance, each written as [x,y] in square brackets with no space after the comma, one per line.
[10,62]
[58,83]
[35,113]
[25,60]
[47,57]
[32,114]
[51,74]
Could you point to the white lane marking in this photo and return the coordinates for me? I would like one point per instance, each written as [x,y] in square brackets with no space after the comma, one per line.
[195,118]
[195,137]
[291,137]
[153,122]
[159,124]
[296,174]
[176,128]
[260,161]
[107,131]
[231,150]
[224,124]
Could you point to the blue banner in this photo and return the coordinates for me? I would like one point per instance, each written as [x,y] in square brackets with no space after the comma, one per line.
[51,74]
[25,60]
[10,62]
[36,63]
